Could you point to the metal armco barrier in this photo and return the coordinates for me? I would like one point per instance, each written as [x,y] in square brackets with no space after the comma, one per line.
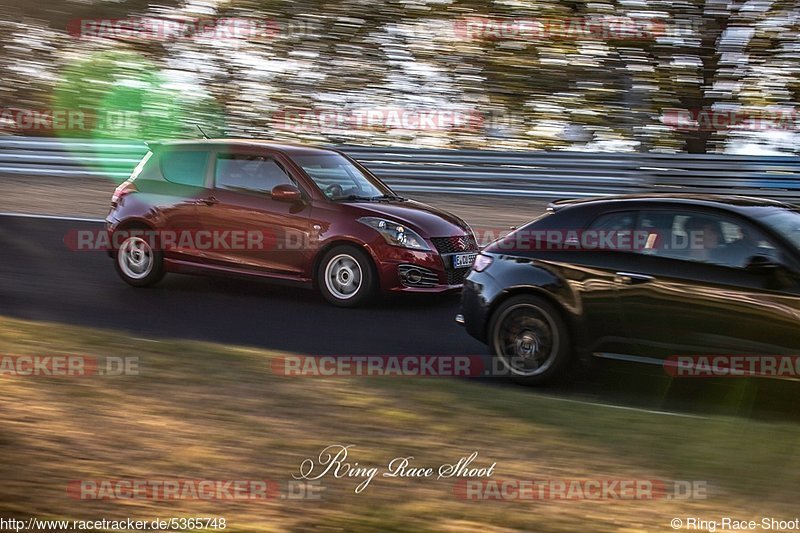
[483,172]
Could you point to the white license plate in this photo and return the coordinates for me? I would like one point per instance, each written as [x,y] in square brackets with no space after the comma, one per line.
[463,260]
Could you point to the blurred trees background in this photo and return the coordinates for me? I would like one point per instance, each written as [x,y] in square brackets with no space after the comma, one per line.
[532,91]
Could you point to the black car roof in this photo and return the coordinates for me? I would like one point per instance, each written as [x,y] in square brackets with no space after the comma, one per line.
[285,148]
[737,203]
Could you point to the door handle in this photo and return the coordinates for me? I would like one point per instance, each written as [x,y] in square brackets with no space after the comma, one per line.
[207,201]
[630,278]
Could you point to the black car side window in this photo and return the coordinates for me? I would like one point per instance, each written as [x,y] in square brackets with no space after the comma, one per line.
[619,221]
[703,237]
[616,228]
[252,173]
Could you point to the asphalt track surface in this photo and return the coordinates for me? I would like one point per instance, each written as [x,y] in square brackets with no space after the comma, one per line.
[42,279]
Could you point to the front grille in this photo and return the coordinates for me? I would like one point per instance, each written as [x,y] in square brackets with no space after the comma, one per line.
[459,243]
[457,276]
[415,276]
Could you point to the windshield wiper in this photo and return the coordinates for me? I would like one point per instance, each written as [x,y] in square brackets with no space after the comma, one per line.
[356,197]
[353,197]
[390,197]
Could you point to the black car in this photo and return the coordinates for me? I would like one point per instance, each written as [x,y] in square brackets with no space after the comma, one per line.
[639,278]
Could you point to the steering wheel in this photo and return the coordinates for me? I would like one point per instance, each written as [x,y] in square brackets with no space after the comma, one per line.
[332,191]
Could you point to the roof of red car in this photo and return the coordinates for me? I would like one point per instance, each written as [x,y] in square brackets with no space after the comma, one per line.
[287,148]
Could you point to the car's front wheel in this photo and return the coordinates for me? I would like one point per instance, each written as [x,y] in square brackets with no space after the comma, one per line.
[345,277]
[529,338]
[137,263]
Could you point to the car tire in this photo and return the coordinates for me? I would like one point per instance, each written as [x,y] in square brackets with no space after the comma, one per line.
[529,340]
[345,276]
[136,262]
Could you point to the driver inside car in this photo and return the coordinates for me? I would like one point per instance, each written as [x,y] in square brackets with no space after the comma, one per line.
[704,239]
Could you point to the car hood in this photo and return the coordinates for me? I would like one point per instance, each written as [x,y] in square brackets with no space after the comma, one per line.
[432,222]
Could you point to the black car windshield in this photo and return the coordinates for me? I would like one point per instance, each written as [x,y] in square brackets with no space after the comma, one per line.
[339,179]
[786,222]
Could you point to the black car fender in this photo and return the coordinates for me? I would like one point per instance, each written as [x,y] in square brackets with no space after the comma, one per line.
[538,277]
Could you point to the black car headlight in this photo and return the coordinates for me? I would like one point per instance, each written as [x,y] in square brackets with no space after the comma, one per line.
[482,262]
[395,233]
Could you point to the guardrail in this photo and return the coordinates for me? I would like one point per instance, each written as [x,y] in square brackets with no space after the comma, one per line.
[484,172]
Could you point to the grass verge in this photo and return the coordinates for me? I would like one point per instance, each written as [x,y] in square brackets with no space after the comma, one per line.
[206,411]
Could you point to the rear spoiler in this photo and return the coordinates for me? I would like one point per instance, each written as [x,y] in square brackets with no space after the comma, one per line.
[555,205]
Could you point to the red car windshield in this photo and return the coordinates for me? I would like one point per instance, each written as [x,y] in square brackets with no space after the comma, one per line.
[338,178]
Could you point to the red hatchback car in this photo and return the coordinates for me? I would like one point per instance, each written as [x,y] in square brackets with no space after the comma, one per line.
[289,213]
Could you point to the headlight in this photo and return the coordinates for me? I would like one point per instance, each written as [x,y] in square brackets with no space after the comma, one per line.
[481,263]
[395,234]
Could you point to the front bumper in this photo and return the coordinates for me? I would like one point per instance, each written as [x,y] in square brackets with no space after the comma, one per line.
[404,270]
[479,292]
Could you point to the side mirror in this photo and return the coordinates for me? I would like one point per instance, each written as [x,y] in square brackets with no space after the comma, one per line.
[776,275]
[286,193]
[761,264]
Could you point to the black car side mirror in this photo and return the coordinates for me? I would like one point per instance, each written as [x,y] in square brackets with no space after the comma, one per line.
[762,264]
[776,275]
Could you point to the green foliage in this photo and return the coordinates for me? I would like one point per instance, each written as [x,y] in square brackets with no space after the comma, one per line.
[534,90]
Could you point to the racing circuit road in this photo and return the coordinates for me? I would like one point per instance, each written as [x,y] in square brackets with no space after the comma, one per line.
[42,279]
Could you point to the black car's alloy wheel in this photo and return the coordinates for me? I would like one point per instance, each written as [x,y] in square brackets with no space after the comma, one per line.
[530,339]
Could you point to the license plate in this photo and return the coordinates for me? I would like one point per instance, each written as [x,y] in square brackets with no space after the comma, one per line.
[463,260]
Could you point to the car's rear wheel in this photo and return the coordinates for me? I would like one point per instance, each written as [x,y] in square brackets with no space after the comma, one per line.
[345,277]
[530,339]
[137,263]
